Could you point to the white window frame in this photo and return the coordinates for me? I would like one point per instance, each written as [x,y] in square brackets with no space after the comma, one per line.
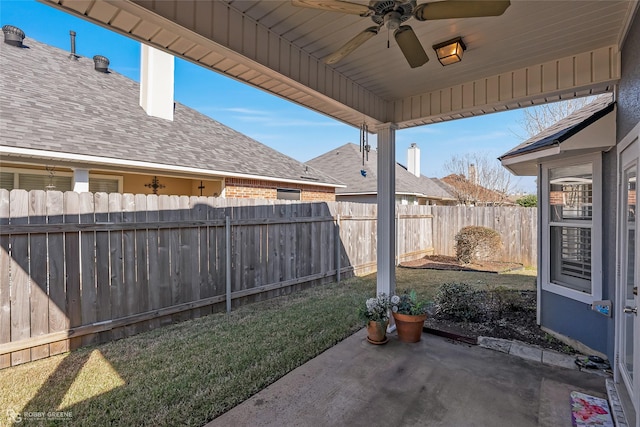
[596,230]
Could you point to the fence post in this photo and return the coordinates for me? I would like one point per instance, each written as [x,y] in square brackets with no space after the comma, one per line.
[228,260]
[337,243]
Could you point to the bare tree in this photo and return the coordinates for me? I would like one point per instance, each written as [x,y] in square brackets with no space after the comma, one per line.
[477,179]
[538,118]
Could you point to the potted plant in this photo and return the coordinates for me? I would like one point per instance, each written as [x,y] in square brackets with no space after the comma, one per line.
[409,313]
[375,312]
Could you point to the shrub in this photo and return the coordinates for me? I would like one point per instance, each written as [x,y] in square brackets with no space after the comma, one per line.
[458,301]
[528,201]
[475,243]
[504,300]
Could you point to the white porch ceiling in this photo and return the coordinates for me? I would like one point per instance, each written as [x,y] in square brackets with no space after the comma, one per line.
[537,51]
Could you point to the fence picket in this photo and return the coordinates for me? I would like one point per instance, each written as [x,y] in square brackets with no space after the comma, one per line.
[103,261]
[39,298]
[89,293]
[153,299]
[116,239]
[164,295]
[72,265]
[58,320]
[142,260]
[19,270]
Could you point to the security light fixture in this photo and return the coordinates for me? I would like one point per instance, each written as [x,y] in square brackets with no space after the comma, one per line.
[451,51]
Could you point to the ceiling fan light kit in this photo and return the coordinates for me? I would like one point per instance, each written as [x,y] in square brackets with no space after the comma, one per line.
[393,13]
[451,51]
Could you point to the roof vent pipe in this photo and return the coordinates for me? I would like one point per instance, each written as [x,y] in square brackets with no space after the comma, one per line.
[101,63]
[13,35]
[73,55]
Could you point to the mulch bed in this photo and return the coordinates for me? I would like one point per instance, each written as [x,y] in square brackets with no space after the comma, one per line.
[517,322]
[443,262]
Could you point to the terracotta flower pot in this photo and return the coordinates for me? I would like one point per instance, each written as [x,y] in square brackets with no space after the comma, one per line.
[377,332]
[409,327]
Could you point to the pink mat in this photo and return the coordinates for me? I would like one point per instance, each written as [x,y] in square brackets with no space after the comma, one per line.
[587,411]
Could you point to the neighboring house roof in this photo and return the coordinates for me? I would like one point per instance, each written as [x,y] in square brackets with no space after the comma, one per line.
[473,192]
[51,104]
[565,128]
[446,187]
[345,164]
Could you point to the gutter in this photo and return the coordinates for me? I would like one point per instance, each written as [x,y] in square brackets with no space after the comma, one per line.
[107,161]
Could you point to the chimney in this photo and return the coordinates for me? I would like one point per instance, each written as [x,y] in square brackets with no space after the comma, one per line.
[13,35]
[473,174]
[413,159]
[156,82]
[73,55]
[101,63]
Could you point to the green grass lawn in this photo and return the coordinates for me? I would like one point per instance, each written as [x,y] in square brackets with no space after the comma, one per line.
[189,373]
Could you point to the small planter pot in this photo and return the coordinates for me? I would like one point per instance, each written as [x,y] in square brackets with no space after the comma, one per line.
[377,332]
[409,327]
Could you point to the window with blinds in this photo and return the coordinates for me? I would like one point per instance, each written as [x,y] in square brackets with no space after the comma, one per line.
[103,185]
[27,181]
[570,226]
[6,180]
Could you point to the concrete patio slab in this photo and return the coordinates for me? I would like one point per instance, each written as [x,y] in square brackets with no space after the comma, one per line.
[436,382]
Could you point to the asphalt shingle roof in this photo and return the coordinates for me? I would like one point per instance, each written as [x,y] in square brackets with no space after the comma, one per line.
[565,128]
[50,102]
[345,164]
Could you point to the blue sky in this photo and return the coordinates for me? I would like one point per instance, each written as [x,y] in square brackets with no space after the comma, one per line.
[291,129]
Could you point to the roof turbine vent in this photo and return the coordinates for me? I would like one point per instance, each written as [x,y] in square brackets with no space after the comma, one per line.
[101,63]
[13,35]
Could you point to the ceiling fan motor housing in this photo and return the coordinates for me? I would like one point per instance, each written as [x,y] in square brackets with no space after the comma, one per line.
[392,13]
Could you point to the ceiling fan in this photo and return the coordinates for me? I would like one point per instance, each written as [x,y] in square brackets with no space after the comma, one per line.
[393,13]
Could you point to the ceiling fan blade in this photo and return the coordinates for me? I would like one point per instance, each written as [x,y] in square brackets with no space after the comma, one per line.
[460,9]
[334,6]
[410,46]
[351,45]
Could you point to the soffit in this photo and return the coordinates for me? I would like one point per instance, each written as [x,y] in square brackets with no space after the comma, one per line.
[537,51]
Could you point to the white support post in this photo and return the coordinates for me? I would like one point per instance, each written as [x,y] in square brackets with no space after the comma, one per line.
[81,180]
[386,277]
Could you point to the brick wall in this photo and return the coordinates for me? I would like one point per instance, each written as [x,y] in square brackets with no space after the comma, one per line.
[240,188]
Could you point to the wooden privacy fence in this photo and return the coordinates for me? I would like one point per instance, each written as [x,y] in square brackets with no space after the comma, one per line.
[517,226]
[77,269]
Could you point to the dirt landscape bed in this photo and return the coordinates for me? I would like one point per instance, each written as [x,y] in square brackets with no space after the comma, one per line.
[503,312]
[444,262]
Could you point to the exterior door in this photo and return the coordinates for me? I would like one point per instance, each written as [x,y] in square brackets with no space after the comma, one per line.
[628,323]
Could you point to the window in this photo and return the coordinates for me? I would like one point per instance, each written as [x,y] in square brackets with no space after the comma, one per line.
[34,179]
[288,194]
[104,184]
[6,180]
[571,219]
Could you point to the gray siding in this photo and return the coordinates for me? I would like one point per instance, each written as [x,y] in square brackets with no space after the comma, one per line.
[629,88]
[575,320]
